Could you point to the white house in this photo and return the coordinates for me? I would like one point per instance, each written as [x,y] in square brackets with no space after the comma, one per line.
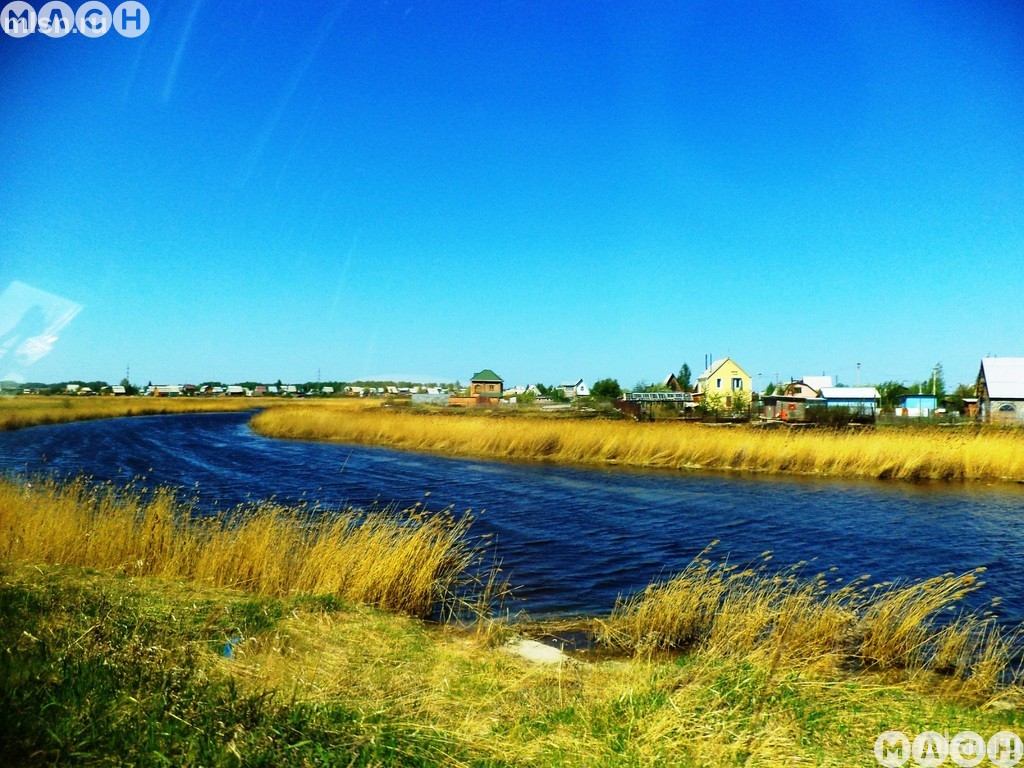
[1000,389]
[579,389]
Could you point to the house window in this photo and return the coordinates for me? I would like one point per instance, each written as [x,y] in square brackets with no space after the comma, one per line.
[718,383]
[737,383]
[1007,407]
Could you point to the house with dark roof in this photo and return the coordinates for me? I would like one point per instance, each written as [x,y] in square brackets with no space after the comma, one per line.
[486,386]
[1000,389]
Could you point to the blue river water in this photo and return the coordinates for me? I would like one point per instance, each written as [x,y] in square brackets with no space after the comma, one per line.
[571,540]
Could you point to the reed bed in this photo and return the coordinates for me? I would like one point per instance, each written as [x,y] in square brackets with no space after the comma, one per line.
[985,455]
[35,410]
[406,561]
[754,612]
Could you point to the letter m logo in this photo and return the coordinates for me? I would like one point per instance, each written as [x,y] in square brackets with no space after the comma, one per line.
[19,19]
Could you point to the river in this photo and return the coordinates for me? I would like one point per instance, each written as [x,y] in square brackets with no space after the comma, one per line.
[570,539]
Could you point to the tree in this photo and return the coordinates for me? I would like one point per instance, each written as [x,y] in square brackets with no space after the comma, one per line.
[957,399]
[685,378]
[740,402]
[889,392]
[527,398]
[769,389]
[606,388]
[129,388]
[713,404]
[938,383]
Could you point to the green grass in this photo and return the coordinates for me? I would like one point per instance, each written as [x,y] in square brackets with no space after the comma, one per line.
[95,672]
[99,669]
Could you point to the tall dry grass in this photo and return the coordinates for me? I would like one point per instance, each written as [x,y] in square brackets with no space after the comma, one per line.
[35,410]
[991,455]
[754,612]
[407,561]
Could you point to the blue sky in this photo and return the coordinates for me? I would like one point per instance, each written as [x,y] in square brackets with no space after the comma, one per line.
[551,190]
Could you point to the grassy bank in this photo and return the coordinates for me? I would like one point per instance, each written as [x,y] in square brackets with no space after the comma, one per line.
[99,669]
[132,636]
[987,455]
[34,410]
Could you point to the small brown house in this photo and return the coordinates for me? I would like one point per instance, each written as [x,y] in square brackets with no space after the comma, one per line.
[486,387]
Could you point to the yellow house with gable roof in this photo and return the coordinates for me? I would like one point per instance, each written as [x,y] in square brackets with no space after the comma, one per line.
[724,377]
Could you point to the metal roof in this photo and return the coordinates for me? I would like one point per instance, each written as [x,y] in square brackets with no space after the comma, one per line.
[1004,377]
[817,382]
[849,393]
[486,375]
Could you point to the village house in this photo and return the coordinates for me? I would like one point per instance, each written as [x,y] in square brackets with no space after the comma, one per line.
[579,389]
[790,401]
[486,386]
[919,406]
[671,383]
[1000,389]
[723,378]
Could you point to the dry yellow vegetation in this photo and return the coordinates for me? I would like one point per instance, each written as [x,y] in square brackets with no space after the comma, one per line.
[34,410]
[406,561]
[990,455]
[789,619]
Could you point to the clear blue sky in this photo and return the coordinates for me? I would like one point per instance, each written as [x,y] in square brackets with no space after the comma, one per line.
[552,190]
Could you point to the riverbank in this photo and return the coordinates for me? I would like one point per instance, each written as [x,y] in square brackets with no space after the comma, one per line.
[131,634]
[971,455]
[35,410]
[146,671]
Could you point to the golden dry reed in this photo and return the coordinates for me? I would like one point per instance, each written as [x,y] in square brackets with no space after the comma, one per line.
[34,410]
[403,561]
[991,455]
[723,609]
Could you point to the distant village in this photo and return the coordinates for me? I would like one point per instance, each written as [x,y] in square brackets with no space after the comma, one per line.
[722,392]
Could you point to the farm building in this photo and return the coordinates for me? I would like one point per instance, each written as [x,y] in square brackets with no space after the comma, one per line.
[1000,389]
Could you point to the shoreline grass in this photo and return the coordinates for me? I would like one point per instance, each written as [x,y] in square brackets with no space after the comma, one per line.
[407,561]
[38,410]
[983,455]
[133,635]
